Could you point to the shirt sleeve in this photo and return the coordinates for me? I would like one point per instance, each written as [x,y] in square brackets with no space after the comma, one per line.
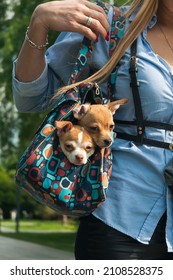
[36,96]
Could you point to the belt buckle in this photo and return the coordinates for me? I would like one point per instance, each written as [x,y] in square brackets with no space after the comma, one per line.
[171,146]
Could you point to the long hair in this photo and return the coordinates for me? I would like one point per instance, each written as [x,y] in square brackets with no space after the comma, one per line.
[145,11]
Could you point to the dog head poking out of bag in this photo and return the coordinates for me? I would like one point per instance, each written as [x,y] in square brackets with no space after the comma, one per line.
[75,142]
[98,121]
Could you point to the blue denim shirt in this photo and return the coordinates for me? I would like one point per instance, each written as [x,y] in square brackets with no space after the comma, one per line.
[137,195]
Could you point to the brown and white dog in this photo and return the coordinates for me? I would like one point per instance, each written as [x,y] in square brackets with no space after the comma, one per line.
[98,120]
[75,142]
[95,128]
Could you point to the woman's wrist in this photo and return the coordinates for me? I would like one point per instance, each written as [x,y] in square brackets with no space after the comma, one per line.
[34,45]
[32,56]
[36,34]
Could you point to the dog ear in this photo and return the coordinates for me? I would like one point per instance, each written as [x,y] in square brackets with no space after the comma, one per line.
[63,127]
[81,111]
[113,106]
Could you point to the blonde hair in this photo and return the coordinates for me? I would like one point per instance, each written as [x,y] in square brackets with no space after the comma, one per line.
[147,8]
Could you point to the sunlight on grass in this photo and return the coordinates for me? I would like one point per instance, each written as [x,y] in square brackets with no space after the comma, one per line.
[41,225]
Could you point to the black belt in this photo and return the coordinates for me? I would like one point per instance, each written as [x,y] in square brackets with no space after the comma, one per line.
[145,141]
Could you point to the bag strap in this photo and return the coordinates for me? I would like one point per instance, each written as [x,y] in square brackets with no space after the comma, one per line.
[140,122]
[135,91]
[87,46]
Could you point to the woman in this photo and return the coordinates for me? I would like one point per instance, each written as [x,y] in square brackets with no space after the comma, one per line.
[136,220]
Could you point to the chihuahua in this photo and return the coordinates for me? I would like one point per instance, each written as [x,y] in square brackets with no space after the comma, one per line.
[94,128]
[75,142]
[98,121]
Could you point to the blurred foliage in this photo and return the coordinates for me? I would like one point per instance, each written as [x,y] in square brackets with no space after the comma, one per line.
[16,129]
[7,192]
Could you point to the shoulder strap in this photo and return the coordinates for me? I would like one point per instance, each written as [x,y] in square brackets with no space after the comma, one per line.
[140,122]
[135,91]
[87,46]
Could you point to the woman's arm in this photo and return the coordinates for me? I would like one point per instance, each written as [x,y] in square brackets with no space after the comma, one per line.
[67,15]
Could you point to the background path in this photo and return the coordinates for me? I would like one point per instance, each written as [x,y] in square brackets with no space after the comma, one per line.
[13,249]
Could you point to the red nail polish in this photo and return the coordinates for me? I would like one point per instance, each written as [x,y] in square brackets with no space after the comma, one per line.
[107,36]
[97,38]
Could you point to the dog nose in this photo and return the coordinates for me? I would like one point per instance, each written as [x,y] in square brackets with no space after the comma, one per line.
[79,157]
[107,142]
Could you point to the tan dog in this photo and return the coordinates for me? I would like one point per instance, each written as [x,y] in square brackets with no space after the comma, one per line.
[75,142]
[98,120]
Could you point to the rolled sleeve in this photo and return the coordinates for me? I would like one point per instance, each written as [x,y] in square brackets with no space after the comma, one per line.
[37,86]
[28,96]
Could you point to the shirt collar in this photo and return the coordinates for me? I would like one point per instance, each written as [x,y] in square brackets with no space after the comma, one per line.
[150,24]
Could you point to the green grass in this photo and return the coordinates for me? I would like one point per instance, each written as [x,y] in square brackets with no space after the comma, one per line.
[41,225]
[63,241]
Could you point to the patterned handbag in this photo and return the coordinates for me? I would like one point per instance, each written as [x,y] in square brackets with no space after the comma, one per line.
[45,172]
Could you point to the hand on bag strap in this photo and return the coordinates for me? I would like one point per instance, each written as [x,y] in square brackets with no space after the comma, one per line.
[87,46]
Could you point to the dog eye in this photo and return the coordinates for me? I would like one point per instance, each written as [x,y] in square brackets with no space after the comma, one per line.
[94,128]
[69,147]
[111,127]
[88,148]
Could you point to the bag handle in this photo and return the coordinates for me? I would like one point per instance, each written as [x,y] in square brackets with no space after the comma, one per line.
[87,46]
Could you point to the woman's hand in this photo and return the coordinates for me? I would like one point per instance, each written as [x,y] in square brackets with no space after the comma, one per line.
[72,16]
[66,15]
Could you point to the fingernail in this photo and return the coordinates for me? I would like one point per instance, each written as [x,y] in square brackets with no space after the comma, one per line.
[97,38]
[107,36]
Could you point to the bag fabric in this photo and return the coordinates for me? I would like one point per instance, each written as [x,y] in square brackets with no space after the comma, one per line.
[45,172]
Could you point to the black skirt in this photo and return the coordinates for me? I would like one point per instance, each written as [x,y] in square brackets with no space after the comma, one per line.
[97,241]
